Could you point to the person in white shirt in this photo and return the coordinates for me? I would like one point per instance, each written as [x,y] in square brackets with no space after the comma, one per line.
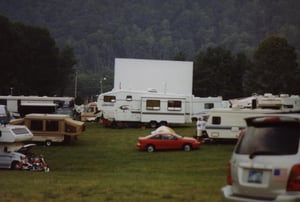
[201,127]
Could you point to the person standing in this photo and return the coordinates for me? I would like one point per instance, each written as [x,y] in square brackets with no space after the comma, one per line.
[201,127]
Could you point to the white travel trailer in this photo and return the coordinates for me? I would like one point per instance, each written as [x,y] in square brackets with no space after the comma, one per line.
[123,107]
[269,101]
[226,124]
[22,105]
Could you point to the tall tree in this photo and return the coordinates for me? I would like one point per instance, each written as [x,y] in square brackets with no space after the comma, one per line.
[275,69]
[66,70]
[31,63]
[218,73]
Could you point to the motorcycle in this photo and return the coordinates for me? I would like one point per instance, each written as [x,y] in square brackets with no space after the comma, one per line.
[35,163]
[32,161]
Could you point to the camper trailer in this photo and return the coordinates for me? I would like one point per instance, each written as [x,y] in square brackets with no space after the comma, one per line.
[11,136]
[49,128]
[228,123]
[123,107]
[90,112]
[268,101]
[19,106]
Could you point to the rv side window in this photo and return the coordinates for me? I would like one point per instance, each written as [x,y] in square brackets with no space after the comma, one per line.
[3,102]
[36,125]
[129,98]
[174,105]
[216,120]
[109,98]
[153,104]
[70,129]
[208,105]
[51,125]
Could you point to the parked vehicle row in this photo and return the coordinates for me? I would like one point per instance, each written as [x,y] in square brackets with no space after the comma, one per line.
[47,128]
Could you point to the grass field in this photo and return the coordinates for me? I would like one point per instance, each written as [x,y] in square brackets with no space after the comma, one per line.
[104,165]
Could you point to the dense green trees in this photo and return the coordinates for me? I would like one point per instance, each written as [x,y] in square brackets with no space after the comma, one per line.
[31,64]
[217,72]
[274,68]
[220,36]
[100,30]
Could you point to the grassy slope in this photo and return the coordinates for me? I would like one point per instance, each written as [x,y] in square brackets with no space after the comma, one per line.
[104,165]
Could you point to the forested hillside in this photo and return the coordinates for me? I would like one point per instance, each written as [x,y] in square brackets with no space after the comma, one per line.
[100,30]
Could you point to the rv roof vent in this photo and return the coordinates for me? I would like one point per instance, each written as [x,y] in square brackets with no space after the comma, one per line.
[284,95]
[152,90]
[268,95]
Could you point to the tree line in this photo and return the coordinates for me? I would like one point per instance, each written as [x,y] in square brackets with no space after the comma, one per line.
[274,69]
[31,63]
[101,30]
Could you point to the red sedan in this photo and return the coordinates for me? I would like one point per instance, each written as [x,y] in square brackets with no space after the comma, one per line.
[164,138]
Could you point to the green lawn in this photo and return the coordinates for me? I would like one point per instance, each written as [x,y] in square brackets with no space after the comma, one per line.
[104,165]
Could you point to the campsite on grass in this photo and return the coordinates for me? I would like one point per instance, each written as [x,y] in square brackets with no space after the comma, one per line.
[105,165]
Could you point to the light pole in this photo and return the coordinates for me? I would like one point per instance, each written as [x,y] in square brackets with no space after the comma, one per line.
[11,90]
[75,85]
[101,84]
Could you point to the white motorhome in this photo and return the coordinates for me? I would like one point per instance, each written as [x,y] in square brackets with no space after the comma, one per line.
[123,107]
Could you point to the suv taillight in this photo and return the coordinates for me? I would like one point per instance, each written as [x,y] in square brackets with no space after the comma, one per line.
[229,177]
[294,179]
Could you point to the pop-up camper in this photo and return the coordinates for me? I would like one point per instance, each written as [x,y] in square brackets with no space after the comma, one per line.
[51,128]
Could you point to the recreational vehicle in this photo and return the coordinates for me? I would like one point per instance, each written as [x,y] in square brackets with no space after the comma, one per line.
[19,106]
[268,101]
[228,123]
[123,107]
[50,128]
[11,136]
[90,112]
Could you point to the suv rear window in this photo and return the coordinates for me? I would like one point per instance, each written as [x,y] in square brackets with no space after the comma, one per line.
[278,138]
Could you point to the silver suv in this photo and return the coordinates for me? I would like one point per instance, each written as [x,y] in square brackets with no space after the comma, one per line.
[265,164]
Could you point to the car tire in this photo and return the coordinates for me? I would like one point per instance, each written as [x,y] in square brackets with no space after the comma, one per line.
[153,124]
[150,148]
[187,147]
[15,165]
[164,123]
